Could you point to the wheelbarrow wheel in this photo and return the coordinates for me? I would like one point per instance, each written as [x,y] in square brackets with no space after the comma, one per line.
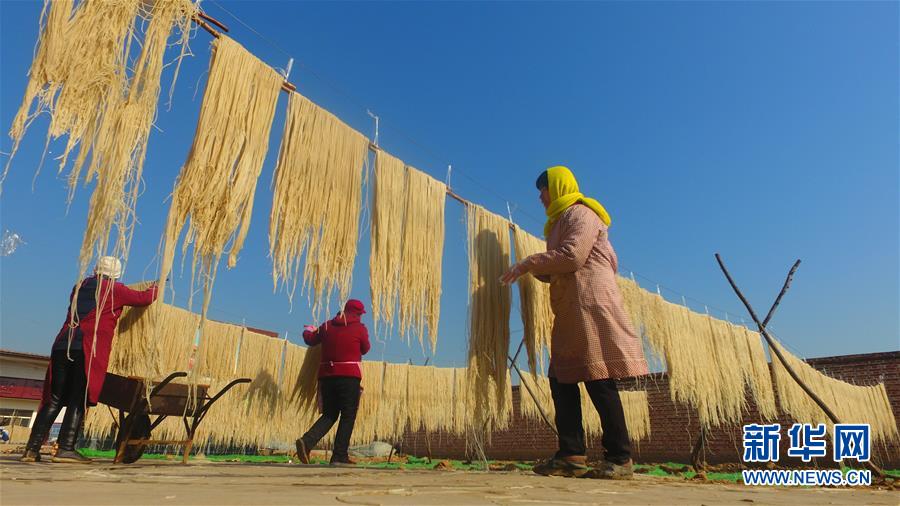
[140,429]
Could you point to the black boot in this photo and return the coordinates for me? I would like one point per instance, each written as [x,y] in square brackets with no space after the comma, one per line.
[39,431]
[68,435]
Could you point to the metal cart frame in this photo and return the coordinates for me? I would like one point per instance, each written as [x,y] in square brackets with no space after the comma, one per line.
[129,396]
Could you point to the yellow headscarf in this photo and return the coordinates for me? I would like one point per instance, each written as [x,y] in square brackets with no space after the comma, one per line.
[564,194]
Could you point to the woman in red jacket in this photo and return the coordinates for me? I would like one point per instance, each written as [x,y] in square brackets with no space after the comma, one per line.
[80,357]
[344,341]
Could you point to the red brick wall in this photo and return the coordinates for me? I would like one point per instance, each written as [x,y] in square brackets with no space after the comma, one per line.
[674,428]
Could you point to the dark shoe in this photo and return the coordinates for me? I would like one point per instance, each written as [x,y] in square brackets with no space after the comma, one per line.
[302,451]
[70,457]
[342,463]
[30,456]
[611,471]
[569,467]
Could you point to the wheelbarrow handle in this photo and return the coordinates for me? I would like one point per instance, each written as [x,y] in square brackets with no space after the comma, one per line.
[159,386]
[220,393]
[226,388]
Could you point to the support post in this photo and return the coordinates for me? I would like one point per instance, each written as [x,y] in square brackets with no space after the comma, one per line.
[698,463]
[777,353]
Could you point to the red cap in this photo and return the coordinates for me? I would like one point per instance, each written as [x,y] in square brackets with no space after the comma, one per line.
[354,306]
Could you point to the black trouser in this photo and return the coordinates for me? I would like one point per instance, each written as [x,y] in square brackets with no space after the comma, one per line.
[67,390]
[340,397]
[605,396]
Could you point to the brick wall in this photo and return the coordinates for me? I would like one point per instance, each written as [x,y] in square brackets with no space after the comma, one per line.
[674,428]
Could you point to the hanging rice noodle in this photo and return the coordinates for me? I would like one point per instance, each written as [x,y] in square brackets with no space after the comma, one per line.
[120,145]
[711,363]
[316,202]
[534,300]
[279,404]
[529,405]
[462,409]
[757,373]
[392,409]
[490,392]
[850,403]
[388,216]
[635,406]
[79,67]
[307,380]
[367,426]
[139,346]
[422,252]
[82,76]
[289,418]
[217,183]
[407,248]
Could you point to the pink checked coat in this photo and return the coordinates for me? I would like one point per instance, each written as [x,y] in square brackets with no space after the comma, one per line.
[593,337]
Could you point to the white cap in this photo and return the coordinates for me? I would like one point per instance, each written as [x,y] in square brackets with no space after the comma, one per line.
[110,267]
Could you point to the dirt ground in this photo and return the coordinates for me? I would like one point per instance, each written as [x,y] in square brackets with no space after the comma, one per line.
[160,482]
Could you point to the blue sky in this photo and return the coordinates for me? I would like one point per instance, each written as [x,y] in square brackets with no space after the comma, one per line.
[765,131]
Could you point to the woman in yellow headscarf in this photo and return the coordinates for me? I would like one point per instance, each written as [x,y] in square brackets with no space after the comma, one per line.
[593,340]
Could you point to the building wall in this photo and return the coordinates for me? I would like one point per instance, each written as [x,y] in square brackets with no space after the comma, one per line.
[19,368]
[21,383]
[23,405]
[674,428]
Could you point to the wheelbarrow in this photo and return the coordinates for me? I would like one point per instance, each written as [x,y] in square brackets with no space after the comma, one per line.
[135,406]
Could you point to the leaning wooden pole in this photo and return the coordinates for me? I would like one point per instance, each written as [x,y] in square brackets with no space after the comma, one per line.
[514,365]
[777,352]
[697,460]
[533,396]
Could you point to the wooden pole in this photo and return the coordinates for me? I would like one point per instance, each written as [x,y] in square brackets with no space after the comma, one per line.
[696,461]
[777,352]
[512,362]
[534,397]
[200,18]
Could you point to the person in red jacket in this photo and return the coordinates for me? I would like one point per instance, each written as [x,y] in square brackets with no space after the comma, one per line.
[344,340]
[80,356]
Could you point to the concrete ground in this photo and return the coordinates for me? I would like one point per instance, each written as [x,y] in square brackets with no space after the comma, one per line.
[160,482]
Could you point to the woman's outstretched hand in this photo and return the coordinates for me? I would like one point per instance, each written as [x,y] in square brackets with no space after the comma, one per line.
[515,272]
[309,328]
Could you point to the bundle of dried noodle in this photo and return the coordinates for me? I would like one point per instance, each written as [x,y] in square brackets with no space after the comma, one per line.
[423,250]
[142,346]
[635,406]
[534,396]
[306,382]
[120,144]
[490,392]
[316,201]
[534,300]
[711,363]
[79,67]
[217,183]
[850,403]
[392,409]
[82,76]
[388,206]
[407,248]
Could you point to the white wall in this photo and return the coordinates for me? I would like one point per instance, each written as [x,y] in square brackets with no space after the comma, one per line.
[18,368]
